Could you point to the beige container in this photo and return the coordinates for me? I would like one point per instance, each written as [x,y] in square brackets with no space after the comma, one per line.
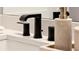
[76,38]
[63,34]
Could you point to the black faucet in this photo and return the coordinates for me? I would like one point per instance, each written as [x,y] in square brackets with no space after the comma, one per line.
[37,23]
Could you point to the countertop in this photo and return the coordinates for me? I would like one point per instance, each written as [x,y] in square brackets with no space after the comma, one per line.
[17,34]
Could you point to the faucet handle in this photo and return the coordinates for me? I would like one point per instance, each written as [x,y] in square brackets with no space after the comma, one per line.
[22,22]
[25,28]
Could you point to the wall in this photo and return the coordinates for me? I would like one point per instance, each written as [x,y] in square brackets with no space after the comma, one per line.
[46,11]
[74,13]
[1,12]
[0,19]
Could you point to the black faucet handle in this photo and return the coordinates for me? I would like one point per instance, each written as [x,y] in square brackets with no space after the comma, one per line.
[22,22]
[26,31]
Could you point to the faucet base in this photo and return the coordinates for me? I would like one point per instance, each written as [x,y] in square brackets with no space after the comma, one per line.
[26,29]
[37,36]
[51,33]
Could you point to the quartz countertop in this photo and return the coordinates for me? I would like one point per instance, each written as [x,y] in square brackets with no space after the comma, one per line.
[17,34]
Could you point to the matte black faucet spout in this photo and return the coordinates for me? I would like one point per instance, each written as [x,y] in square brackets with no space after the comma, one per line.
[37,23]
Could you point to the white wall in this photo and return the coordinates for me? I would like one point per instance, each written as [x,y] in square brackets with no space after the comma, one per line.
[1,10]
[0,19]
[47,12]
[74,13]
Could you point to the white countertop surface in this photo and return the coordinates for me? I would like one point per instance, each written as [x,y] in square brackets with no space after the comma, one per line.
[18,34]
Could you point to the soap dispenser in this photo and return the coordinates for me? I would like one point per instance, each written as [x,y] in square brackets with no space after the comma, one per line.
[63,31]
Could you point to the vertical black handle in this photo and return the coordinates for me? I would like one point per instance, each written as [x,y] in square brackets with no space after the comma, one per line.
[51,33]
[26,30]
